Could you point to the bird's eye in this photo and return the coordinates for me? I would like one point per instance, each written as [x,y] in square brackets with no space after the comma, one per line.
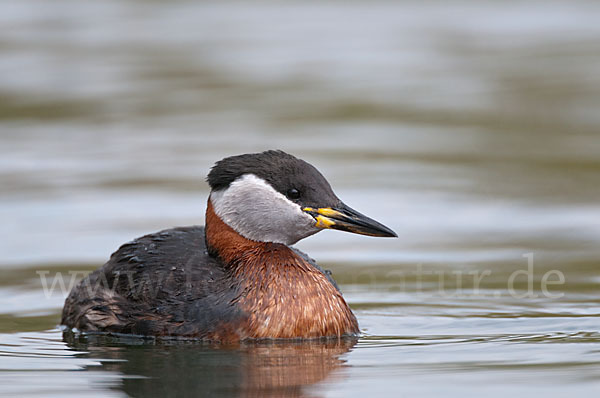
[293,193]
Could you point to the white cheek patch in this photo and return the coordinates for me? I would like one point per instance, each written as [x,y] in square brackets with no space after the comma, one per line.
[258,212]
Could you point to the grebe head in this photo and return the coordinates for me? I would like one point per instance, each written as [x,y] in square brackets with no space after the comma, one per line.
[275,197]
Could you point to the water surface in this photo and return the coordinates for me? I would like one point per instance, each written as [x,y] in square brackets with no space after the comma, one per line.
[470,128]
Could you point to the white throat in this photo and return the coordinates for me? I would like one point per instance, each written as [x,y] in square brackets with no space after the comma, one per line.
[255,210]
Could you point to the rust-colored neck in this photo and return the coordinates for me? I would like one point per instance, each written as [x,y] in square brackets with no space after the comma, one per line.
[231,247]
[221,240]
[283,295]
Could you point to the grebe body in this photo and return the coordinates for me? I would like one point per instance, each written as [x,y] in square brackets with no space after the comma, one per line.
[238,277]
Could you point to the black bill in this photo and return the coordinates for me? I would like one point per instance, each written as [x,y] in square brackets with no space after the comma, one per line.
[344,218]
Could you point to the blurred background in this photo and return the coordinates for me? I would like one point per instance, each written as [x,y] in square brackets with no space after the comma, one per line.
[458,122]
[471,128]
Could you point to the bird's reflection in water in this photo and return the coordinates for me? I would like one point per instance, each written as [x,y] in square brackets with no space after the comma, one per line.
[184,368]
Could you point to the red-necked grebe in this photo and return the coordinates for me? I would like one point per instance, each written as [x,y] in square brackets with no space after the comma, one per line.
[237,277]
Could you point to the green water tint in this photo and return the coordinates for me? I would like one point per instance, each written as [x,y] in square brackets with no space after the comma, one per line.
[469,128]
